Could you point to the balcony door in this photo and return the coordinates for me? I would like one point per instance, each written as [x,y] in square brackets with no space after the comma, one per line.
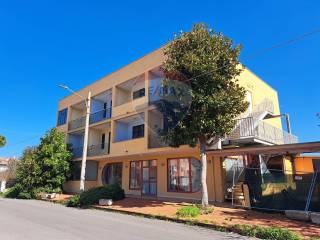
[149,178]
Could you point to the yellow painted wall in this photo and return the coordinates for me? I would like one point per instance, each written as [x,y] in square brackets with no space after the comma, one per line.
[125,149]
[260,90]
[214,179]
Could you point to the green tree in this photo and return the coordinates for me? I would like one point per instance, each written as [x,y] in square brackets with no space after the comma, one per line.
[28,171]
[53,158]
[207,62]
[44,167]
[3,141]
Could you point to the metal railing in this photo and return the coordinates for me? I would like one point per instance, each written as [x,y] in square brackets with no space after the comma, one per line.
[77,123]
[94,118]
[251,127]
[93,150]
[98,150]
[100,115]
[155,141]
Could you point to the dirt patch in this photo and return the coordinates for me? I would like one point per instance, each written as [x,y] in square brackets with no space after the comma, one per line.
[221,216]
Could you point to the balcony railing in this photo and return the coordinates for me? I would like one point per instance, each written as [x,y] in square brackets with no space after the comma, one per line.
[93,150]
[98,150]
[77,123]
[94,118]
[251,127]
[100,115]
[155,141]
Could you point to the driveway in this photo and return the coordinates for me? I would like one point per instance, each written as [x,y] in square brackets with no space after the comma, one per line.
[31,219]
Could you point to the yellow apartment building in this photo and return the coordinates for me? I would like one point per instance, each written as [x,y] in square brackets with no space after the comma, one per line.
[123,144]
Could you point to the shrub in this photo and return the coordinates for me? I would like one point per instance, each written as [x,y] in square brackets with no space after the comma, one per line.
[188,211]
[74,201]
[273,233]
[93,195]
[13,192]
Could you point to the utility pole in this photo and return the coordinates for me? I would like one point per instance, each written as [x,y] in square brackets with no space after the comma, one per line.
[85,143]
[87,102]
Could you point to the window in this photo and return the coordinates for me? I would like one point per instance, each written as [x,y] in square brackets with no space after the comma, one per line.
[112,174]
[184,175]
[103,140]
[138,131]
[139,93]
[91,171]
[135,175]
[62,117]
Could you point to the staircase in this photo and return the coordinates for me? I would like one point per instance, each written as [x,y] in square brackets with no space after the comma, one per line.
[237,195]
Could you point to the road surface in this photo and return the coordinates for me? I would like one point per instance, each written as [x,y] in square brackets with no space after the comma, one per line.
[35,220]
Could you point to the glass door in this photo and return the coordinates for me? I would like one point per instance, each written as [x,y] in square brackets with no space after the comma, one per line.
[149,178]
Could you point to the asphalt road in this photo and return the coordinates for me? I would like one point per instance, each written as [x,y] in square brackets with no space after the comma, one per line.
[33,220]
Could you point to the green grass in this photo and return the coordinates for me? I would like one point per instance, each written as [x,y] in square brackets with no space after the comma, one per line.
[193,211]
[273,233]
[188,211]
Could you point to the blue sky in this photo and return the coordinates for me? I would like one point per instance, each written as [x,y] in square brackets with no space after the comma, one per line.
[44,43]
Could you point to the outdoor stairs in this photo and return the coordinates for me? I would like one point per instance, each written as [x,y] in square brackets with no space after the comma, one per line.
[238,195]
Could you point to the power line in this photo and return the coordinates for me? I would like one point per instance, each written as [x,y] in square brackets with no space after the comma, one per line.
[265,50]
[287,42]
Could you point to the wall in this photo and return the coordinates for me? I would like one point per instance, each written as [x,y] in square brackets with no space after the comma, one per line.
[260,90]
[214,177]
[304,164]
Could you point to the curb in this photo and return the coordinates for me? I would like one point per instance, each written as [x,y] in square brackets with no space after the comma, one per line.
[170,219]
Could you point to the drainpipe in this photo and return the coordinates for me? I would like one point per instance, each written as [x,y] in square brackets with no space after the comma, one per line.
[288,122]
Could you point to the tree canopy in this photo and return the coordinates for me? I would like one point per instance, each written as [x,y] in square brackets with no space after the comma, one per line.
[44,167]
[3,141]
[207,64]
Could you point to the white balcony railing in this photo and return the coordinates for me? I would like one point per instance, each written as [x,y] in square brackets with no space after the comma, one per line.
[250,127]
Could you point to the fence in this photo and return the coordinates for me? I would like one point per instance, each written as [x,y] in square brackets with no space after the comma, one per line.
[274,189]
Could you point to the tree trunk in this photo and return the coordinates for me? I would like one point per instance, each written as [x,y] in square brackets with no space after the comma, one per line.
[203,157]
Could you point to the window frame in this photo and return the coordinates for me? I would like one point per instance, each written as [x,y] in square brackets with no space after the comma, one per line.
[73,178]
[190,175]
[136,188]
[140,136]
[64,113]
[103,180]
[139,93]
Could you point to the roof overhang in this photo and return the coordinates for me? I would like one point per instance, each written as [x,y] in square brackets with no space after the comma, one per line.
[296,148]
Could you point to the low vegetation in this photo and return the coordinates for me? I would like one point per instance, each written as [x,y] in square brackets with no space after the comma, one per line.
[193,211]
[273,233]
[93,195]
[43,168]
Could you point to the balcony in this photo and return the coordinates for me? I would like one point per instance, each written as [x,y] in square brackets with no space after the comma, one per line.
[93,151]
[100,115]
[98,150]
[77,123]
[77,152]
[250,130]
[94,118]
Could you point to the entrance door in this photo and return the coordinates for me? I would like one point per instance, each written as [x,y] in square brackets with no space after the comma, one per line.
[112,174]
[149,178]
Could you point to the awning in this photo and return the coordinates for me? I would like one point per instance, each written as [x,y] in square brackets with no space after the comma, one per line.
[296,148]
